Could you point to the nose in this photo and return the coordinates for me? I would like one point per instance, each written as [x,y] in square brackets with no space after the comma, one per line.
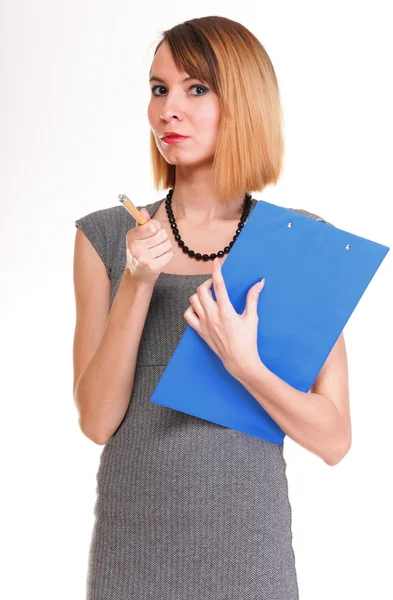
[168,116]
[171,108]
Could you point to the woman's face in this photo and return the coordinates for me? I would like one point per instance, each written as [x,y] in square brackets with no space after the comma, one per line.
[189,108]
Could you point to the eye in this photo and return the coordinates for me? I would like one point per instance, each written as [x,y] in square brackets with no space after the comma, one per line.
[196,85]
[201,87]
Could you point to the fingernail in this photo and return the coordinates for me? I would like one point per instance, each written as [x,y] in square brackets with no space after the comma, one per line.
[260,286]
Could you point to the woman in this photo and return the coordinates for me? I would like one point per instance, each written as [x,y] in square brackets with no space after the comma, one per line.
[187,509]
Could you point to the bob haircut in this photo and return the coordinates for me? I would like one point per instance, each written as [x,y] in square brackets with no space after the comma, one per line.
[250,145]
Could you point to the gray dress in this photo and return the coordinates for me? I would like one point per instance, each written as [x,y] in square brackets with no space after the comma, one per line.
[185,509]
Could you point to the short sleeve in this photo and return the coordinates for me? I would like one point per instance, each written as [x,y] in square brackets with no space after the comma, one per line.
[92,226]
[306,213]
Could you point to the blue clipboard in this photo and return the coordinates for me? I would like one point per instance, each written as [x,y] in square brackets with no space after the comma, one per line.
[315,276]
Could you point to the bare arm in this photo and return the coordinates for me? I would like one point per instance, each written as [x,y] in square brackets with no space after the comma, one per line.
[319,421]
[105,346]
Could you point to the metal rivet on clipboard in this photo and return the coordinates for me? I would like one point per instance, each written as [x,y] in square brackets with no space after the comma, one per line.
[347,247]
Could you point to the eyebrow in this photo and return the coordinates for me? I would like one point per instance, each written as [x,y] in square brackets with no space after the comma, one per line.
[163,80]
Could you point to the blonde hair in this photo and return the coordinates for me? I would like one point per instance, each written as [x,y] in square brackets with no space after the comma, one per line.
[250,145]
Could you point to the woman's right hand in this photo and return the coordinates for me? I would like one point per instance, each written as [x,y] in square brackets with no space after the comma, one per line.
[148,250]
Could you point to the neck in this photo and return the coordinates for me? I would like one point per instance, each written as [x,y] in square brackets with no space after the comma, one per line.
[194,202]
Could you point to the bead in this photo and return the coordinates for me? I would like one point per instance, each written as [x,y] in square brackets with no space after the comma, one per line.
[198,255]
[347,247]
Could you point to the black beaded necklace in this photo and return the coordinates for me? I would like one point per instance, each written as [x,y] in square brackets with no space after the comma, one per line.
[197,255]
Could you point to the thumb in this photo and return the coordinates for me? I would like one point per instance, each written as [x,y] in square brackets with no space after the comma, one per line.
[253,296]
[144,212]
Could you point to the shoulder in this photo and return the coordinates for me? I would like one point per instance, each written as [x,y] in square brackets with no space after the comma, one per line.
[101,227]
[106,228]
[306,213]
[311,215]
[105,219]
[110,222]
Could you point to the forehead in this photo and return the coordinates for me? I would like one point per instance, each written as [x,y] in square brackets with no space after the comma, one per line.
[163,62]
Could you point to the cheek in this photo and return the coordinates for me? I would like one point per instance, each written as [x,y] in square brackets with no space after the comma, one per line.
[208,121]
[153,116]
[150,115]
[207,126]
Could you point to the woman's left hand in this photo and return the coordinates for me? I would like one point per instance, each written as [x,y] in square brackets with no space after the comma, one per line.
[232,336]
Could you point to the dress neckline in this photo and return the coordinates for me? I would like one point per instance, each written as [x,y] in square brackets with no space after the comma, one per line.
[162,274]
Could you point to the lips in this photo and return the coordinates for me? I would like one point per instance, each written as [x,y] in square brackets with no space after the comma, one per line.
[174,137]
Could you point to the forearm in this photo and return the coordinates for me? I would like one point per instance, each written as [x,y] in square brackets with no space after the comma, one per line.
[103,391]
[310,419]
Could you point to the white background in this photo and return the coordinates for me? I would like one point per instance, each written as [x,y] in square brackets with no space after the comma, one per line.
[75,134]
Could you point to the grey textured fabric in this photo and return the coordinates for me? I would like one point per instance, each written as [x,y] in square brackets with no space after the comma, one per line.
[185,509]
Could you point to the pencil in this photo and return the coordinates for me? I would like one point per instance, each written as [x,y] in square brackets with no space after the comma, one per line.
[132,209]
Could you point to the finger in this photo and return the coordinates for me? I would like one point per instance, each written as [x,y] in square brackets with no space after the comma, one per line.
[145,214]
[197,306]
[252,298]
[220,289]
[206,298]
[147,230]
[192,318]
